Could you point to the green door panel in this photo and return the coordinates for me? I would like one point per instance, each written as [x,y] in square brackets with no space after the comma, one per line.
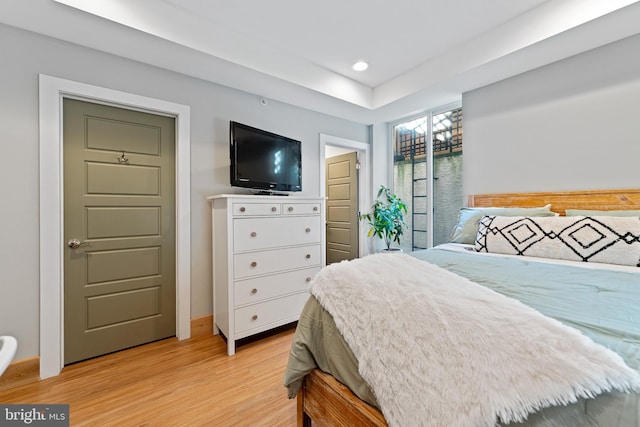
[342,207]
[119,201]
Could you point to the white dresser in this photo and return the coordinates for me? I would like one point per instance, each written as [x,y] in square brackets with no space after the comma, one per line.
[266,249]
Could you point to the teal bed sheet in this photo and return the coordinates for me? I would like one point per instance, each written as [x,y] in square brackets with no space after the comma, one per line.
[603,304]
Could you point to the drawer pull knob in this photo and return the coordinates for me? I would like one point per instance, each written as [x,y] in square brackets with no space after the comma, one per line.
[308,230]
[308,279]
[315,208]
[242,209]
[254,317]
[254,291]
[290,209]
[308,256]
[254,234]
[273,209]
[254,264]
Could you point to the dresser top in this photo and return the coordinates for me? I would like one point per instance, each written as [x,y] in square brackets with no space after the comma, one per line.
[261,197]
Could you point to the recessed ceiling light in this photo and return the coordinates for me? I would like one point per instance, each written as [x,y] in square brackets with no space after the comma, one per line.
[360,66]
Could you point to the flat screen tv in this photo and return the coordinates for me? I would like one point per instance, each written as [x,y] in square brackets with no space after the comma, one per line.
[263,160]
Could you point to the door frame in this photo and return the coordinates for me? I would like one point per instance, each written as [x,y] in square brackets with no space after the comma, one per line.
[51,92]
[364,179]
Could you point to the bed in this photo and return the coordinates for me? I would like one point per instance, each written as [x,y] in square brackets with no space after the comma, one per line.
[327,401]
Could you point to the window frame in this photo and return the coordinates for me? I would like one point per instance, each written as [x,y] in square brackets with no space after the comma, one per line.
[429,113]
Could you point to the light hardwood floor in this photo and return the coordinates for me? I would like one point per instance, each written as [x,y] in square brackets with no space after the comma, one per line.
[174,383]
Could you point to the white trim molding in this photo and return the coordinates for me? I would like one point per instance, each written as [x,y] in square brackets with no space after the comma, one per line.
[364,184]
[52,92]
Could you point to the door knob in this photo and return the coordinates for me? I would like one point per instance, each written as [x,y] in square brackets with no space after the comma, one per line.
[75,243]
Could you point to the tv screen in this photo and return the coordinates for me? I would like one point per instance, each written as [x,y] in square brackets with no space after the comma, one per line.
[263,160]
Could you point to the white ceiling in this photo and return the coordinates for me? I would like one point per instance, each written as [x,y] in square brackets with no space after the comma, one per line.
[422,53]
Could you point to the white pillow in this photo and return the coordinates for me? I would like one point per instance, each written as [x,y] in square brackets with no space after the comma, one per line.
[466,228]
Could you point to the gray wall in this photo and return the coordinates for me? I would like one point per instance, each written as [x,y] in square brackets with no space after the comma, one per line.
[447,195]
[24,56]
[571,125]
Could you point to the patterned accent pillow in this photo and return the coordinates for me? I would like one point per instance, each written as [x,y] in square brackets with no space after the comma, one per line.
[612,240]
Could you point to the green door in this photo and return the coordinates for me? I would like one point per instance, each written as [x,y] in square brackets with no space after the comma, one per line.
[342,207]
[119,229]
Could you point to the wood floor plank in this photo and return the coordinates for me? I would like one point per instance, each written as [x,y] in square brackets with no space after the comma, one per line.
[174,383]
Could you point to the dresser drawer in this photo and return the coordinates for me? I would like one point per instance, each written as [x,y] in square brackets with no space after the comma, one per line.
[248,209]
[269,312]
[260,233]
[301,208]
[275,260]
[255,290]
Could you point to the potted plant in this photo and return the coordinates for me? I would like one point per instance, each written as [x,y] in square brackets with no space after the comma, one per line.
[387,217]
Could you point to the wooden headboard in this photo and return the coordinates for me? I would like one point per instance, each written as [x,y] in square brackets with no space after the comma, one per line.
[562,200]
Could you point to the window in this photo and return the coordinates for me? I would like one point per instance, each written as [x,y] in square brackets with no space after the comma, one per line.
[427,173]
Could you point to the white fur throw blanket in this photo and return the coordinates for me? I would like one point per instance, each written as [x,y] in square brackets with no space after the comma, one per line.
[440,350]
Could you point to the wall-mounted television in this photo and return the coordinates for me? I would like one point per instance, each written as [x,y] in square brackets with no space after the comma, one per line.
[263,160]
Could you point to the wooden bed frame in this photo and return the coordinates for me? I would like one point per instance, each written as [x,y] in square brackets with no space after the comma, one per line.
[324,401]
[561,201]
